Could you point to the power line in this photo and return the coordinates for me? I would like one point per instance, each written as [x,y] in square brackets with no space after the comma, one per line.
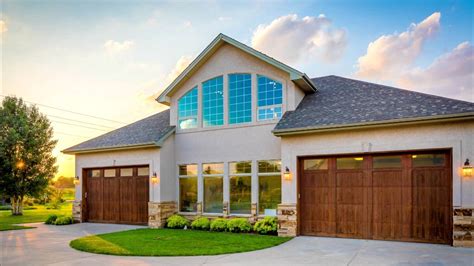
[72,135]
[79,121]
[64,110]
[61,122]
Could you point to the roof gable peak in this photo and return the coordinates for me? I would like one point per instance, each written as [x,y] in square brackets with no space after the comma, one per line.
[296,76]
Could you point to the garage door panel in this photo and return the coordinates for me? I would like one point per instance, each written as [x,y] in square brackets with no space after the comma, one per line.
[398,203]
[117,199]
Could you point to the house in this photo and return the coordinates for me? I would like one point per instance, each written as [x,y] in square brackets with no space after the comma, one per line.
[246,135]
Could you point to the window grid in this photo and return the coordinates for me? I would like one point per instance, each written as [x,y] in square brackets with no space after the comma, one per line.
[240,98]
[188,109]
[213,102]
[270,98]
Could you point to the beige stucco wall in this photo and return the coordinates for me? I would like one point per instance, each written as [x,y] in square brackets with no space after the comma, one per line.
[150,156]
[167,171]
[227,60]
[458,136]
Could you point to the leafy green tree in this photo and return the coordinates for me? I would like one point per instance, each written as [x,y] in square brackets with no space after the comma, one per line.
[26,144]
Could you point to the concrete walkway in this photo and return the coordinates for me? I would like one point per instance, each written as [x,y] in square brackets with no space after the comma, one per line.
[49,245]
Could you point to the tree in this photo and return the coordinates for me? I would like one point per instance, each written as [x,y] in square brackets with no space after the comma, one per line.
[26,144]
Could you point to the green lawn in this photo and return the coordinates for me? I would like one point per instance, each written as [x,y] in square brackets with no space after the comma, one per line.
[39,214]
[173,242]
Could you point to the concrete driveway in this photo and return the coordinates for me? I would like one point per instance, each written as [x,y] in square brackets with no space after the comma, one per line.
[49,245]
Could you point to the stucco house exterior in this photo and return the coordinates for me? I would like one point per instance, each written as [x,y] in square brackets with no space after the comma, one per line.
[248,136]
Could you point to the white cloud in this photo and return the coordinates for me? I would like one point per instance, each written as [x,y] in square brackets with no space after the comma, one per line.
[390,59]
[224,18]
[114,47]
[291,39]
[181,64]
[3,27]
[187,24]
[450,75]
[387,55]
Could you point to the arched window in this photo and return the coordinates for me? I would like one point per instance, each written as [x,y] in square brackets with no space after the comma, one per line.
[188,109]
[270,98]
[213,102]
[240,98]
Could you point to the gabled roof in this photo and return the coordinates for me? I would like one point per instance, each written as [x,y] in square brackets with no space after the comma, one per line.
[343,103]
[148,132]
[301,79]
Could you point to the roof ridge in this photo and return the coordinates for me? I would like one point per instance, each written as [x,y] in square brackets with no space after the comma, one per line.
[392,87]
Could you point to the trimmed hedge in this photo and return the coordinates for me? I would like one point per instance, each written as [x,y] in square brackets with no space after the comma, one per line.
[266,226]
[201,223]
[51,219]
[63,220]
[176,221]
[238,225]
[219,225]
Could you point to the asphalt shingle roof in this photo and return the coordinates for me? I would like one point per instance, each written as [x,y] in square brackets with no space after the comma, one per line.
[342,101]
[150,130]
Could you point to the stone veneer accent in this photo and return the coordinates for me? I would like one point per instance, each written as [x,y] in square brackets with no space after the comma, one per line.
[287,219]
[463,227]
[158,212]
[77,211]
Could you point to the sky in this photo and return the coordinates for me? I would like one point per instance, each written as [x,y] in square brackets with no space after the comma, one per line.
[94,66]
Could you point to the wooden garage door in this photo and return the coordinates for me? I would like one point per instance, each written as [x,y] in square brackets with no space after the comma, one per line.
[400,196]
[116,195]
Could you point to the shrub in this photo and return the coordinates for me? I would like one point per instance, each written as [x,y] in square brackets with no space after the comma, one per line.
[63,220]
[176,221]
[219,225]
[237,225]
[5,208]
[201,223]
[51,219]
[266,226]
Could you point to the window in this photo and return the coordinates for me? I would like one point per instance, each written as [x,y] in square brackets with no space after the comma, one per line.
[315,164]
[213,102]
[240,187]
[126,172]
[188,188]
[109,173]
[93,173]
[269,186]
[393,161]
[143,171]
[213,187]
[240,98]
[188,109]
[423,160]
[350,163]
[270,98]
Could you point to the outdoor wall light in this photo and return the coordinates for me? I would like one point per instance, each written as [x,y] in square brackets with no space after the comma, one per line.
[467,169]
[155,179]
[287,174]
[76,180]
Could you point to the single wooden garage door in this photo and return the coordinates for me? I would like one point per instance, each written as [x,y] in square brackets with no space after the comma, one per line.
[400,196]
[116,195]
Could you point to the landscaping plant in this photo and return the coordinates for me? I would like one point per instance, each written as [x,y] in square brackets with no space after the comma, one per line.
[239,225]
[266,226]
[51,219]
[201,223]
[176,221]
[219,225]
[64,220]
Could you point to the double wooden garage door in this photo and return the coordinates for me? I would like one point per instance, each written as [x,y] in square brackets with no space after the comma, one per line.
[404,196]
[116,195]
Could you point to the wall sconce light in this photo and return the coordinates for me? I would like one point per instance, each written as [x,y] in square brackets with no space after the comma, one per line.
[467,169]
[76,180]
[155,179]
[287,174]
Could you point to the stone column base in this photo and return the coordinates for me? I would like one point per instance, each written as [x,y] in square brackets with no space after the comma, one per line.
[463,227]
[287,219]
[77,211]
[158,212]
